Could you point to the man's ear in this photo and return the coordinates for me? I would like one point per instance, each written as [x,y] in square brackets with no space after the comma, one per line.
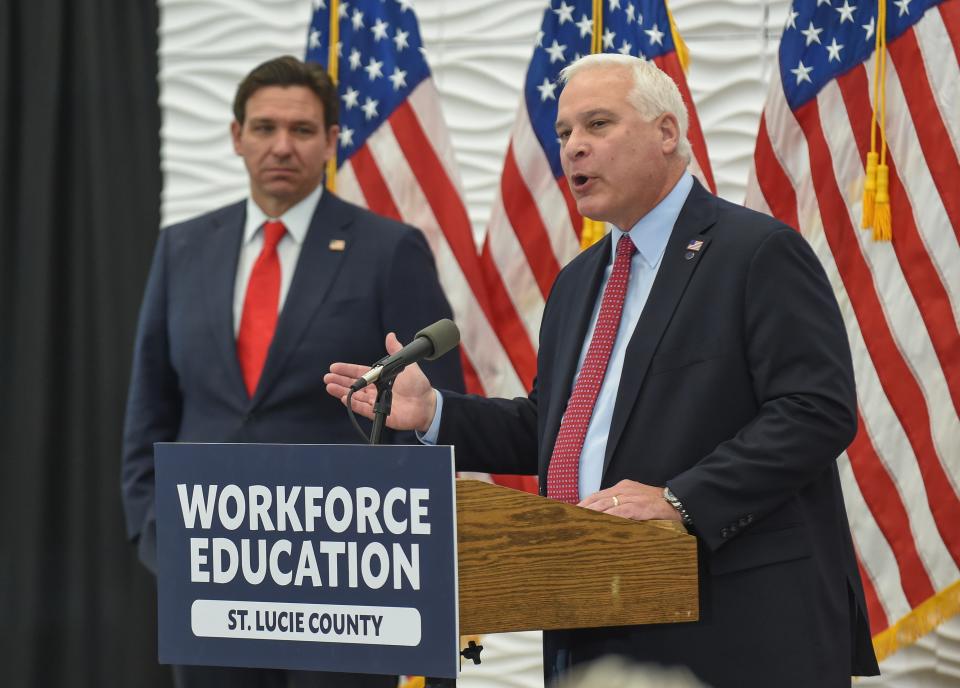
[235,130]
[333,135]
[669,132]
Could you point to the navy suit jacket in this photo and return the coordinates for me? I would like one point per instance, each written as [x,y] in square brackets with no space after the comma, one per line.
[186,383]
[737,392]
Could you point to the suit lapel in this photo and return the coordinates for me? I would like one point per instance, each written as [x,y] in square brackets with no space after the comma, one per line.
[219,260]
[679,263]
[316,270]
[570,334]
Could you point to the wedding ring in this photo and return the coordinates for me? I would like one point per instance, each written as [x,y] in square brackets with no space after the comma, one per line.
[616,500]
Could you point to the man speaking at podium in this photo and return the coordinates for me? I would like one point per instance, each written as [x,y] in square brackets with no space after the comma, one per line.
[246,306]
[693,366]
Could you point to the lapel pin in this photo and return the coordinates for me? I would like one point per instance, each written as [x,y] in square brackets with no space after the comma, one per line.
[693,248]
[337,245]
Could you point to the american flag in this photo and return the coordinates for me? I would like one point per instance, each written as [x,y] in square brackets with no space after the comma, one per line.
[534,228]
[899,299]
[394,157]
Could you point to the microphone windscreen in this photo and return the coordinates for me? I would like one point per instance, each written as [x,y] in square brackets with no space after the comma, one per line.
[443,335]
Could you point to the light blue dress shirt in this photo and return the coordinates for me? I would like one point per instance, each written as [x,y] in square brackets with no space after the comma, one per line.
[650,236]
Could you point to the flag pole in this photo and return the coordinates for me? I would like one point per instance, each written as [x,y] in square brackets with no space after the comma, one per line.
[332,70]
[593,231]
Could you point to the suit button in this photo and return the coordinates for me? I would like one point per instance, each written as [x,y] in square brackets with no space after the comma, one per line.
[749,519]
[745,521]
[724,533]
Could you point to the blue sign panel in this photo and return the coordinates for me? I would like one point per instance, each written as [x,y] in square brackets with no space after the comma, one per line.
[317,557]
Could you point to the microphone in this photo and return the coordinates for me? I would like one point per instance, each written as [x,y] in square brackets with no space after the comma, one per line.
[430,343]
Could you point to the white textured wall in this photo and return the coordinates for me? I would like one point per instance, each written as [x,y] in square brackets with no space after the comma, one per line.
[478,50]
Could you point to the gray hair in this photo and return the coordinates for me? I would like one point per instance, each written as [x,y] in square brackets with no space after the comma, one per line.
[616,672]
[653,92]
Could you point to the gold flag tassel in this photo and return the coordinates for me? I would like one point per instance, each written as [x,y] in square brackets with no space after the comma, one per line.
[869,189]
[882,221]
[876,186]
[332,70]
[592,231]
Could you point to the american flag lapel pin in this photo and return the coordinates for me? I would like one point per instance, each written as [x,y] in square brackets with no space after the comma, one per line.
[337,245]
[693,248]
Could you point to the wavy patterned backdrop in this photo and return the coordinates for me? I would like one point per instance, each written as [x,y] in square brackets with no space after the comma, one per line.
[478,50]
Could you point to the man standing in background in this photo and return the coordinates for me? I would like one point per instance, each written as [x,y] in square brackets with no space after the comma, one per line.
[246,306]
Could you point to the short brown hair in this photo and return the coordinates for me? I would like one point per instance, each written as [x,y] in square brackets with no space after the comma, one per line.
[289,71]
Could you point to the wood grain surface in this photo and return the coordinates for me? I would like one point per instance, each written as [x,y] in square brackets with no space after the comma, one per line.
[527,563]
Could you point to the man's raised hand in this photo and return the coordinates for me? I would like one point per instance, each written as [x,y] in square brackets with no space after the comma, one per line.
[414,400]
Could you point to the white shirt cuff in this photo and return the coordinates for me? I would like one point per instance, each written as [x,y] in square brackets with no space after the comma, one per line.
[430,436]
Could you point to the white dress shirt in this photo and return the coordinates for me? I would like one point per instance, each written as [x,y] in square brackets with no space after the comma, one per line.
[297,221]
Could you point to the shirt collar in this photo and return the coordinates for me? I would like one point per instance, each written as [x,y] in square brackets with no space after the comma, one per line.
[652,231]
[296,219]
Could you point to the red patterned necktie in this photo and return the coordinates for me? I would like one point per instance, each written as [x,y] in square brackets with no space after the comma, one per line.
[259,318]
[563,473]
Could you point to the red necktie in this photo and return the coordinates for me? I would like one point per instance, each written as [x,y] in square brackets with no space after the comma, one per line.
[563,473]
[259,318]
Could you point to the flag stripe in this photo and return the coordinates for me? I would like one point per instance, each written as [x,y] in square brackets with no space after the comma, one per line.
[425,101]
[895,376]
[950,12]
[885,504]
[397,160]
[509,328]
[899,299]
[487,362]
[437,188]
[776,186]
[670,64]
[546,191]
[470,377]
[371,182]
[521,209]
[941,159]
[510,267]
[922,333]
[922,278]
[879,422]
[576,219]
[878,619]
[873,548]
[892,448]
[944,73]
[933,224]
[877,412]
[862,360]
[479,339]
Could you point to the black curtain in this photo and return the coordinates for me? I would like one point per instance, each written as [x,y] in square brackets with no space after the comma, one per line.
[79,209]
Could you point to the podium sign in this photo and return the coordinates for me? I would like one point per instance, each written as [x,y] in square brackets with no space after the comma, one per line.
[317,557]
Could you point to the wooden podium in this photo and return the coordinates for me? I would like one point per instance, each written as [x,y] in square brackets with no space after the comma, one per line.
[530,563]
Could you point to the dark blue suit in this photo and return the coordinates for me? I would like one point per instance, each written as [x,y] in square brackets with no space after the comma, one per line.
[737,392]
[186,383]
